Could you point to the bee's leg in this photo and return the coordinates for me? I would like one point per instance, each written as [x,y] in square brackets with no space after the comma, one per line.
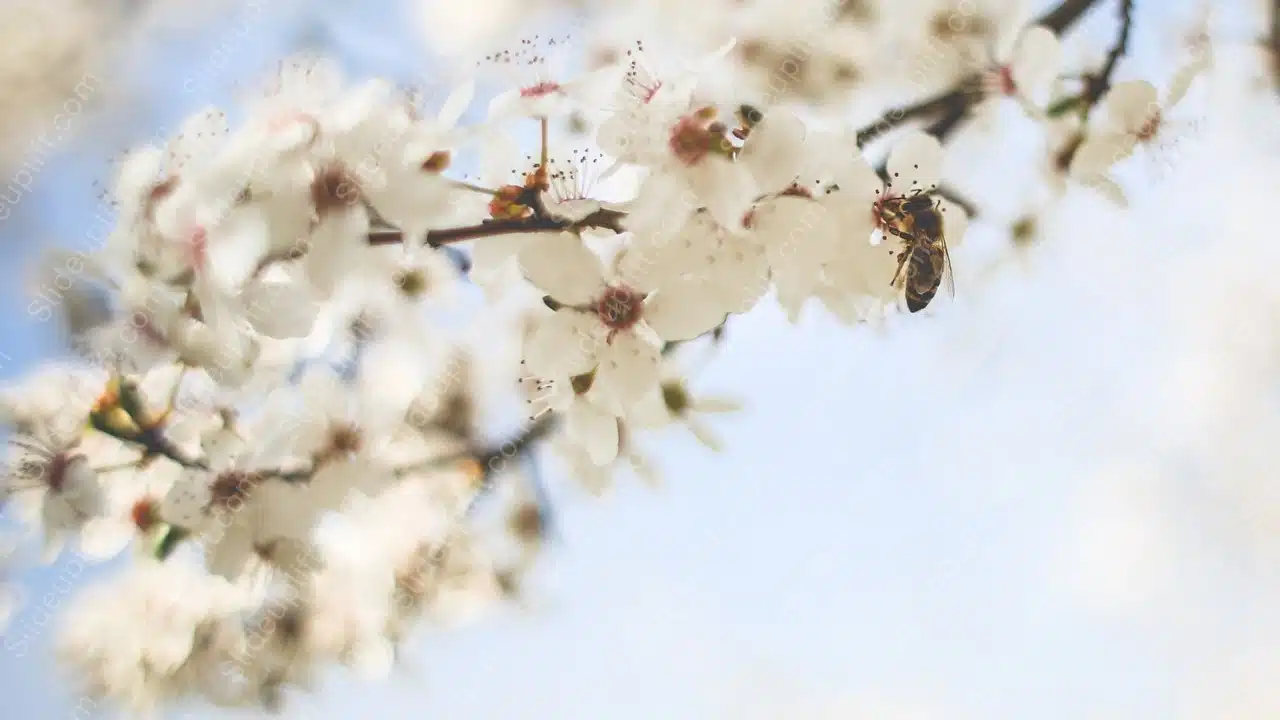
[902,263]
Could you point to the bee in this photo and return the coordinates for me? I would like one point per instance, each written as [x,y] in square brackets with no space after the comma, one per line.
[923,261]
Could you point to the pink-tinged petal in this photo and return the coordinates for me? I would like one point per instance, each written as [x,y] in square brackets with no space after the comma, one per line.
[1036,63]
[955,222]
[628,369]
[726,188]
[1099,152]
[280,309]
[915,163]
[1130,105]
[775,150]
[1182,81]
[563,267]
[683,310]
[596,429]
[565,343]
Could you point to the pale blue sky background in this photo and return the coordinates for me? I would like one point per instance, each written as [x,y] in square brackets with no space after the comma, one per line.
[892,528]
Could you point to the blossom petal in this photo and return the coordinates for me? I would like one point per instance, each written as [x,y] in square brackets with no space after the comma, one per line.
[1130,105]
[683,310]
[955,222]
[596,429]
[726,188]
[774,150]
[456,104]
[628,368]
[715,404]
[280,309]
[1036,62]
[104,538]
[1099,152]
[563,344]
[1182,81]
[563,267]
[915,163]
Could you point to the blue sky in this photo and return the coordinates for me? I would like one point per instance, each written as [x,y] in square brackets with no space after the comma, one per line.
[892,530]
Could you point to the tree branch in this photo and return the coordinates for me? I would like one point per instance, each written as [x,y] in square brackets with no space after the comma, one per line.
[1098,83]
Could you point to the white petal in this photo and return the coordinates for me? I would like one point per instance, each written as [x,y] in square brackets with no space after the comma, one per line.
[280,309]
[726,188]
[596,429]
[704,434]
[1181,82]
[1129,105]
[562,344]
[682,310]
[489,254]
[104,538]
[374,659]
[1099,152]
[138,173]
[564,268]
[774,150]
[237,247]
[1036,62]
[915,163]
[955,222]
[628,368]
[1108,188]
[715,404]
[456,104]
[229,554]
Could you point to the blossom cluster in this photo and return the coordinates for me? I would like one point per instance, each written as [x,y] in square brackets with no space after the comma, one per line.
[269,422]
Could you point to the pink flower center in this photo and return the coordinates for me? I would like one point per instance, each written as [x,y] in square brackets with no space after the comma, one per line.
[690,139]
[620,308]
[1005,77]
[288,120]
[55,476]
[1150,128]
[542,89]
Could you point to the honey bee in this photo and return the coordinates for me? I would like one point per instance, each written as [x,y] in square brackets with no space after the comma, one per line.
[923,261]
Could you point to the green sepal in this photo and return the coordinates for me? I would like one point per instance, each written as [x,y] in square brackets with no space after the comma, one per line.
[168,539]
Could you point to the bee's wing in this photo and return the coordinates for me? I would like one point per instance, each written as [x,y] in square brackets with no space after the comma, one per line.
[946,270]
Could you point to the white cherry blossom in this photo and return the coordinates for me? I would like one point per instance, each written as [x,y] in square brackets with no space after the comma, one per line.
[612,324]
[1132,115]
